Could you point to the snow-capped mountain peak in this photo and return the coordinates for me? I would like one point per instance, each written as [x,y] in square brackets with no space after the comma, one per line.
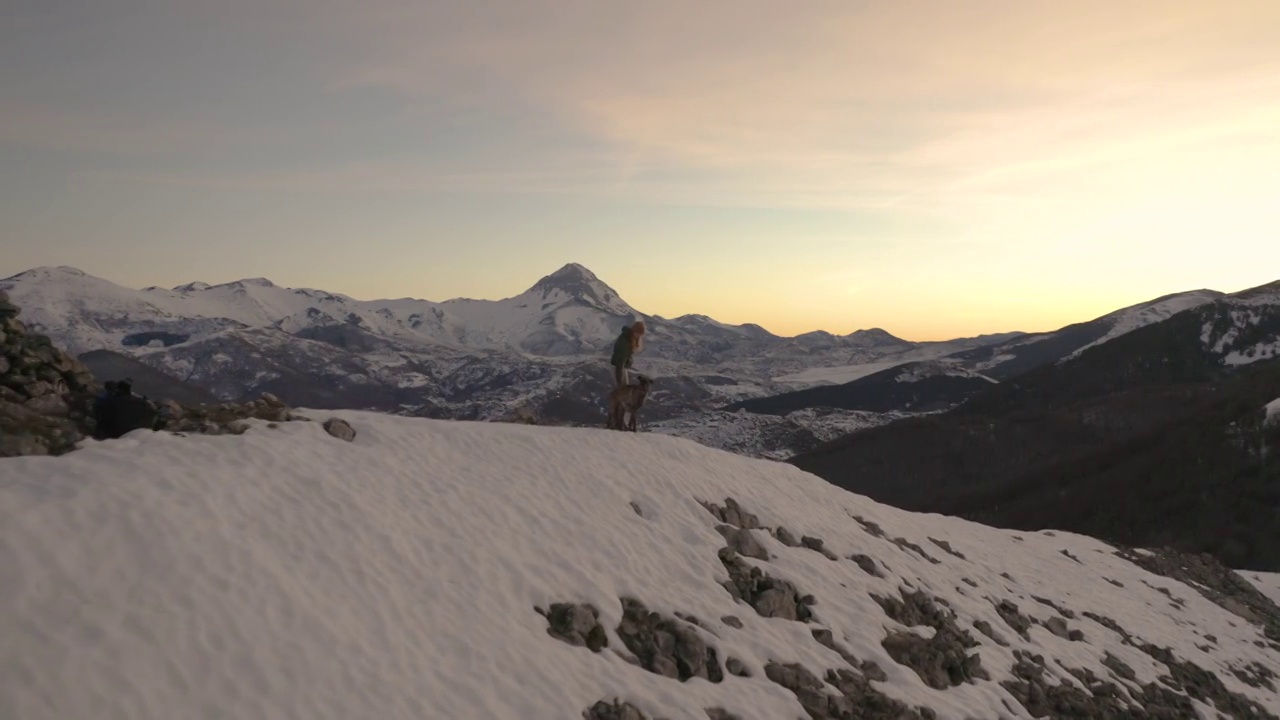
[48,273]
[577,283]
[249,282]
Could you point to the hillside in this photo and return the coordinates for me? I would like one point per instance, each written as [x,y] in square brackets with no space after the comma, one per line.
[914,387]
[107,365]
[1156,437]
[945,380]
[464,570]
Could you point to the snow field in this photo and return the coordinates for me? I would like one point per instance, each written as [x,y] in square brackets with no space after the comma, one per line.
[286,574]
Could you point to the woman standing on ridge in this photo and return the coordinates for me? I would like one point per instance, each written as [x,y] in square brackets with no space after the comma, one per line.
[628,343]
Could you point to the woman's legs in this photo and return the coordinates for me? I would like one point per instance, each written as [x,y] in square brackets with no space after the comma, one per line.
[620,376]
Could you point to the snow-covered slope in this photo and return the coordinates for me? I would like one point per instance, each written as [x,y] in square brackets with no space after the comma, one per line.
[1267,583]
[1131,318]
[420,571]
[1243,328]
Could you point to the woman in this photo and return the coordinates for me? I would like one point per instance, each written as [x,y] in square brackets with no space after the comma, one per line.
[628,343]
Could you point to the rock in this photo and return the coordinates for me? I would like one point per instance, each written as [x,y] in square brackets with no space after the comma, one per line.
[742,542]
[985,628]
[14,445]
[340,429]
[1014,618]
[941,661]
[736,667]
[38,388]
[1214,581]
[577,624]
[44,404]
[732,622]
[615,710]
[867,564]
[237,427]
[817,545]
[785,537]
[716,713]
[733,514]
[768,596]
[777,602]
[855,697]
[666,646]
[1057,626]
[48,405]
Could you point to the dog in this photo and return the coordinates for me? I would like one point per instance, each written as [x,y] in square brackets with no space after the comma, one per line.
[625,403]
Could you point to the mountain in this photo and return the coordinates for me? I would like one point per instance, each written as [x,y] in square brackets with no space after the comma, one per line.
[944,380]
[1005,360]
[928,386]
[566,572]
[541,352]
[106,365]
[1159,436]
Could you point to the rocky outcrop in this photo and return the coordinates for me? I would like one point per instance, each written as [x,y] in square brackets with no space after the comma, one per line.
[577,624]
[1216,582]
[1106,699]
[941,661]
[614,710]
[45,394]
[47,397]
[666,646]
[846,695]
[767,595]
[224,419]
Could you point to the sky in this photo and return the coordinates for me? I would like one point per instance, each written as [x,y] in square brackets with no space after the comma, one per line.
[936,169]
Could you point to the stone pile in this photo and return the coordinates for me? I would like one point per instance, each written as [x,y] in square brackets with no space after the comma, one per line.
[47,398]
[46,395]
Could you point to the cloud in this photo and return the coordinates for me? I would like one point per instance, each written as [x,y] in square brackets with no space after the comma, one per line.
[915,106]
[853,104]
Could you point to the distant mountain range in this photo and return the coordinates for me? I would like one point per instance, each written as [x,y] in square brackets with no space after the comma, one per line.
[540,353]
[544,349]
[1159,436]
[947,381]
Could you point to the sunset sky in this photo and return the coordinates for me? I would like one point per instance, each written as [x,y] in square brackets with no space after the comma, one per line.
[936,169]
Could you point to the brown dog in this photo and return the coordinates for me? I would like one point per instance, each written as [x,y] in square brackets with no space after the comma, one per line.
[625,402]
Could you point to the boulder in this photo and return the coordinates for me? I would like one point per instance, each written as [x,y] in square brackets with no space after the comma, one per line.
[340,429]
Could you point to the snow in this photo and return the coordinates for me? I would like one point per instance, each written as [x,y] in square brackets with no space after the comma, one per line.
[82,312]
[922,371]
[1138,316]
[1273,410]
[284,573]
[1259,351]
[836,375]
[1267,583]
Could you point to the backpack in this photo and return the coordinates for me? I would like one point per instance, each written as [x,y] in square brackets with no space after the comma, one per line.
[123,412]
